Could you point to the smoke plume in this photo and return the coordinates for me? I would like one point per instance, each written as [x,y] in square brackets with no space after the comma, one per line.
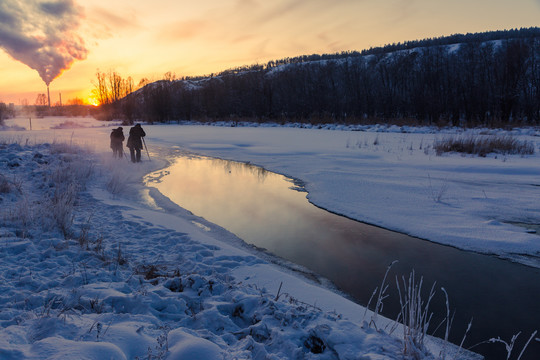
[42,34]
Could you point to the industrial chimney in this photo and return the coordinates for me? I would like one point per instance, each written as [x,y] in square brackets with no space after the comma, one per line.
[48,96]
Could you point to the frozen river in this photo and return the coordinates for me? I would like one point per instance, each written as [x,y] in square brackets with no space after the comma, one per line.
[271,211]
[383,184]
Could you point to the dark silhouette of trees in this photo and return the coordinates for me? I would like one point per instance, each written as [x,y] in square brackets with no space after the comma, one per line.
[109,91]
[6,112]
[485,79]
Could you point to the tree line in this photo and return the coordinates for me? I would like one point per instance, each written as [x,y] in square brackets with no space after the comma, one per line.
[488,79]
[6,112]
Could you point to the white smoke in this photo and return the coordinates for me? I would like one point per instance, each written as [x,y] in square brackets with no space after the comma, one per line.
[42,34]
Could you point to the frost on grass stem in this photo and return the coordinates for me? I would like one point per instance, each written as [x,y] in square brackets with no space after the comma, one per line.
[438,194]
[380,298]
[509,346]
[414,313]
[448,320]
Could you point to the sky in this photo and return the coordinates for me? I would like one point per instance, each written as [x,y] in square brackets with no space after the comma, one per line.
[65,42]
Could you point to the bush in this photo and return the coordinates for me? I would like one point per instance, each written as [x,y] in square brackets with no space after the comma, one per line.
[483,145]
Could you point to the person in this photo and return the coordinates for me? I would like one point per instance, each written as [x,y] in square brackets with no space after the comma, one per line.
[134,143]
[117,140]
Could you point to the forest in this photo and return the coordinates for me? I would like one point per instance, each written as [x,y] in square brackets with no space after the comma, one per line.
[482,79]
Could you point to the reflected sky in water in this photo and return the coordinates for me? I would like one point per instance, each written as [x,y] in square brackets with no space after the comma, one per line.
[261,208]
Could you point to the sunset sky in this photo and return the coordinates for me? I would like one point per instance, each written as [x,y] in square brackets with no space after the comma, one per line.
[69,40]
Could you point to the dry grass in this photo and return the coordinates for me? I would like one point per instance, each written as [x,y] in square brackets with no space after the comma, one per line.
[482,145]
[415,314]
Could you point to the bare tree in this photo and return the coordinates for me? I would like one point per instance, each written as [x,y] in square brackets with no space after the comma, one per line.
[41,100]
[101,89]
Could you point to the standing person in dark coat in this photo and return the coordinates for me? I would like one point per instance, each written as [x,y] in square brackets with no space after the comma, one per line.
[134,143]
[117,142]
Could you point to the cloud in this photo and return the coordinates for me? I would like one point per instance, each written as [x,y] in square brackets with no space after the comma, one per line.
[42,34]
[185,30]
[59,8]
[275,10]
[106,23]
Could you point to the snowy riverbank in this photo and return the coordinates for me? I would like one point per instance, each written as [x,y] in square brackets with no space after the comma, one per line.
[108,287]
[91,273]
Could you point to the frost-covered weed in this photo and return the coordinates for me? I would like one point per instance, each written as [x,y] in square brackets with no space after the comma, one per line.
[414,317]
[68,180]
[509,346]
[21,213]
[61,207]
[115,184]
[65,148]
[448,320]
[415,313]
[439,193]
[381,293]
[161,348]
[96,305]
[62,178]
[84,234]
[9,140]
[72,172]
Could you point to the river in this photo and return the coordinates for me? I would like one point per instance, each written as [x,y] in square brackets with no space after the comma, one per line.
[271,211]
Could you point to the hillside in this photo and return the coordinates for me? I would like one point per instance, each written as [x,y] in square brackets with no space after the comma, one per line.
[488,79]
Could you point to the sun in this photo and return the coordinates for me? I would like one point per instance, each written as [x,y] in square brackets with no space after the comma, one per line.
[91,101]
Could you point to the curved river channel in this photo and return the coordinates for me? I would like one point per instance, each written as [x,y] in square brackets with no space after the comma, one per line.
[272,212]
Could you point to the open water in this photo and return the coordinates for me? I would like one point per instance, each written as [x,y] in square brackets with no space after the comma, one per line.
[271,211]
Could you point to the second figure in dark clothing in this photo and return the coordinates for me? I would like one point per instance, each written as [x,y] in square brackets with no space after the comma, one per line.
[117,142]
[134,143]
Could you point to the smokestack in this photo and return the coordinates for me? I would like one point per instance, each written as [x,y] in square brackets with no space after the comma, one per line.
[50,45]
[60,99]
[48,96]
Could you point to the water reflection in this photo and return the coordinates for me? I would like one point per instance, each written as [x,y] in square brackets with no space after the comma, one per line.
[223,192]
[260,207]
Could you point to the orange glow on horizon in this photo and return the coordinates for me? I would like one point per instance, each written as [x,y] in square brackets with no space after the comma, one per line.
[144,41]
[91,101]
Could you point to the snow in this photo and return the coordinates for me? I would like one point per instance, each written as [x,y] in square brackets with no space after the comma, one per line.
[93,265]
[393,179]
